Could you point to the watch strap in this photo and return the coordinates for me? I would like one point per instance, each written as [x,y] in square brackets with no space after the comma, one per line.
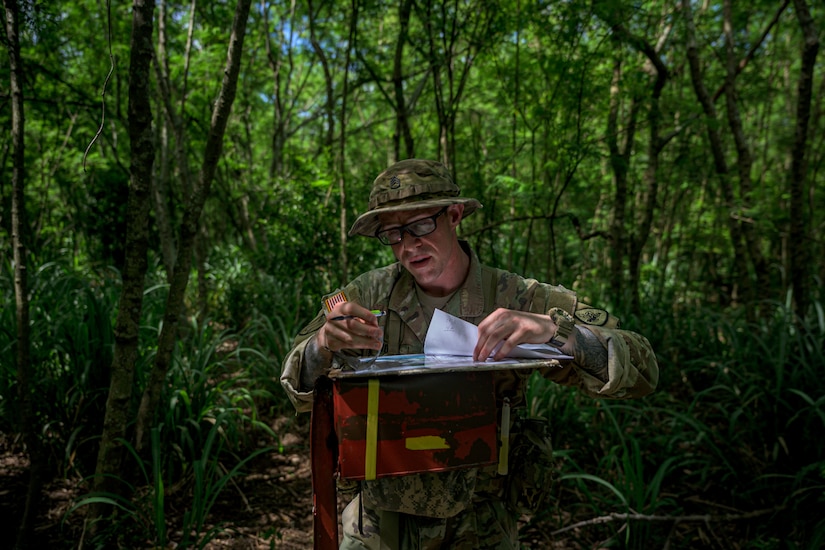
[564,323]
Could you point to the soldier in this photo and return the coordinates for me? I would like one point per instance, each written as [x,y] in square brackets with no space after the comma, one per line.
[415,208]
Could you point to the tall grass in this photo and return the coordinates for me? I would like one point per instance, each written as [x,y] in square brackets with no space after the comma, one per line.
[207,427]
[71,350]
[730,445]
[143,516]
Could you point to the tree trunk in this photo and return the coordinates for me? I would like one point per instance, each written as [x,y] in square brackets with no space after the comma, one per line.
[637,240]
[118,405]
[474,19]
[174,120]
[281,78]
[800,241]
[740,275]
[201,249]
[189,228]
[329,106]
[161,196]
[402,121]
[329,140]
[161,191]
[511,260]
[342,147]
[20,240]
[620,163]
[744,157]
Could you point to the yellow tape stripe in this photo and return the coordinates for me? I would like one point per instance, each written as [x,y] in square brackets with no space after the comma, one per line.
[370,459]
[426,443]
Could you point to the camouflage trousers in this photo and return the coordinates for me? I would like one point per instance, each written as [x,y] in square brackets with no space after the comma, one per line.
[486,525]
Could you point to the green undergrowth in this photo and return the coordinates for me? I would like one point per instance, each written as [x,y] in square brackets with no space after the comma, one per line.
[728,448]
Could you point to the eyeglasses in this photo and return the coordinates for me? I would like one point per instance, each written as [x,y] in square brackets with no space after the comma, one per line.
[418,228]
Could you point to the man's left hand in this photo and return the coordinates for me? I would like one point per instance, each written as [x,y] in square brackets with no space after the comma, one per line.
[504,329]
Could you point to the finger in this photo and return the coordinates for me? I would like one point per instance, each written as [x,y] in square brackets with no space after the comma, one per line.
[503,330]
[349,310]
[488,343]
[502,351]
[487,336]
[354,333]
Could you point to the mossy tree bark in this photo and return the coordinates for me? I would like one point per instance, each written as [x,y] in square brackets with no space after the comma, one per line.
[142,155]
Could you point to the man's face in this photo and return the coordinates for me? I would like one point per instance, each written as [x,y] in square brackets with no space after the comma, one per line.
[436,261]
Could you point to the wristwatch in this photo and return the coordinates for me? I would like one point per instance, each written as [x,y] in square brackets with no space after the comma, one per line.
[565,323]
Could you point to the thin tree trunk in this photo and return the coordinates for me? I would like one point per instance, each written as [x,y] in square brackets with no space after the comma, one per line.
[744,157]
[328,144]
[161,194]
[189,228]
[620,163]
[118,405]
[161,188]
[636,241]
[436,66]
[449,91]
[514,142]
[402,120]
[175,121]
[740,276]
[244,221]
[800,242]
[201,250]
[342,146]
[280,72]
[329,106]
[20,239]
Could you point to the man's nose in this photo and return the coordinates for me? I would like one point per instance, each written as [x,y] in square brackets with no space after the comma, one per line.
[414,241]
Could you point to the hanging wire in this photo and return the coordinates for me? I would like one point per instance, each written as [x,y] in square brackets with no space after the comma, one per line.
[105,82]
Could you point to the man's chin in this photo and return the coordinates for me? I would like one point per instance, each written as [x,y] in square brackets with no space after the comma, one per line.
[419,266]
[422,275]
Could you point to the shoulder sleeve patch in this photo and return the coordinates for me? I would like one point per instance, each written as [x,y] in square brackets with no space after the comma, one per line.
[313,325]
[592,316]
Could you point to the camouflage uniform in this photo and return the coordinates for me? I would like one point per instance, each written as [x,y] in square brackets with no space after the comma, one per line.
[464,508]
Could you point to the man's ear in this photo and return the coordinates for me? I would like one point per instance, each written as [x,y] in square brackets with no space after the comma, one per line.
[455,213]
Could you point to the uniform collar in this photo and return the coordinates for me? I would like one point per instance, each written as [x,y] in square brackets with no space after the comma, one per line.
[468,300]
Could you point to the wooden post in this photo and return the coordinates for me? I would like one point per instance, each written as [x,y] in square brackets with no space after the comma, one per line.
[323,454]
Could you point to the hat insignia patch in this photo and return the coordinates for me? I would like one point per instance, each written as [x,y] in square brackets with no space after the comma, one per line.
[395,183]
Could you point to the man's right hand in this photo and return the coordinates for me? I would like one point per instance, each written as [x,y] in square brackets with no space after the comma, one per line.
[359,330]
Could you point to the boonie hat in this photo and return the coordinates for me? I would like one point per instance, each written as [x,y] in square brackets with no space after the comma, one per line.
[411,184]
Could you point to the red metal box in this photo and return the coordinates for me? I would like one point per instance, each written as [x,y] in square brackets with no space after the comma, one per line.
[402,424]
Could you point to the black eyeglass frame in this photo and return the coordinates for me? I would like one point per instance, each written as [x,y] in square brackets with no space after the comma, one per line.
[382,235]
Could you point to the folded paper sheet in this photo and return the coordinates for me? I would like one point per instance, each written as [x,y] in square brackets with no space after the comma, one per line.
[449,335]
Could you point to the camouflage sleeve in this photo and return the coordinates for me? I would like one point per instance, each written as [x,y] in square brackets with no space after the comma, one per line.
[303,353]
[630,370]
[293,365]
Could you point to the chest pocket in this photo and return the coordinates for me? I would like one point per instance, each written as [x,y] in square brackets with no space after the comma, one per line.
[401,341]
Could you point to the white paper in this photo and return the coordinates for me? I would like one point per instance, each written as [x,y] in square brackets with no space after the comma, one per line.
[449,335]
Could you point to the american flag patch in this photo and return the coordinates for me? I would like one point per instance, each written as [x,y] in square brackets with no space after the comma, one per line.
[334,300]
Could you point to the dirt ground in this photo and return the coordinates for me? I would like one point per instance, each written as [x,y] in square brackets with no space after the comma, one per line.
[269,506]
